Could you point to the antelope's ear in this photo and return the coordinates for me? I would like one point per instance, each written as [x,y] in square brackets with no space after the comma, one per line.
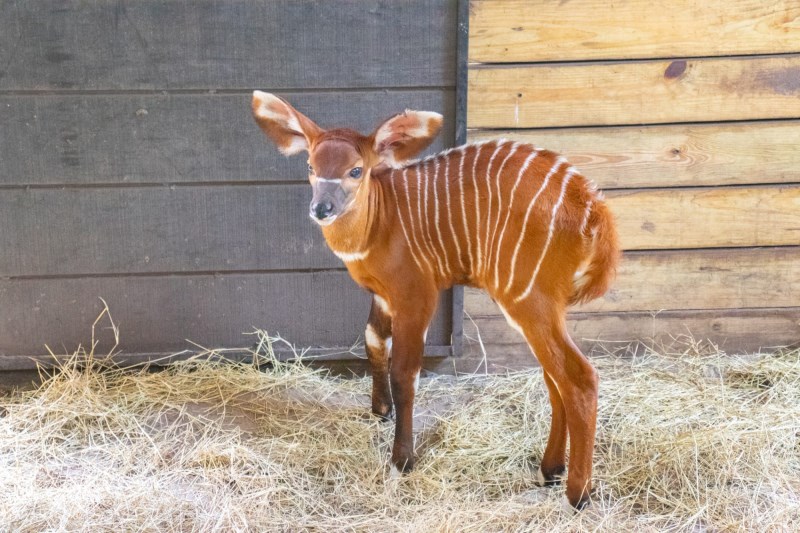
[289,129]
[405,135]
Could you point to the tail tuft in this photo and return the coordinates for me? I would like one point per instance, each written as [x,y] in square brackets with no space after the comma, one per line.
[596,279]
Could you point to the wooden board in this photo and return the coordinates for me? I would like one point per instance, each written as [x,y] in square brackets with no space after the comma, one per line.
[675,155]
[169,138]
[707,217]
[238,44]
[730,328]
[517,31]
[691,279]
[159,229]
[156,314]
[638,92]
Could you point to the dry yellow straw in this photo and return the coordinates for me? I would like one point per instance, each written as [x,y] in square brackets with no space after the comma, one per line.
[689,439]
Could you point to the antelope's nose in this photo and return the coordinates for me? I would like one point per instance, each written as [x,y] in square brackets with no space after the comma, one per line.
[322,210]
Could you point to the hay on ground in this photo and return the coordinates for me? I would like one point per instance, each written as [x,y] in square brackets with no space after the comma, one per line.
[694,440]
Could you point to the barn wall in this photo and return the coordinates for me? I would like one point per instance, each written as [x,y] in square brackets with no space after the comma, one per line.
[131,168]
[686,113]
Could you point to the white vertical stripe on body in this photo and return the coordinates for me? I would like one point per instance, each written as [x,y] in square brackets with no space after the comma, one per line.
[442,247]
[497,178]
[522,170]
[567,176]
[415,247]
[449,207]
[559,161]
[423,234]
[464,209]
[481,248]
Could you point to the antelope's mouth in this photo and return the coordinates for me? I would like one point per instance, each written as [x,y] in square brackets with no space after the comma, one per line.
[327,221]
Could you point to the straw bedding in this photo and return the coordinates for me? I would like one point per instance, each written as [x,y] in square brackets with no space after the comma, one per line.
[688,440]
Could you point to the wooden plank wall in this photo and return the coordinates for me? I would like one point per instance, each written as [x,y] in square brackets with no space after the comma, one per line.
[688,115]
[131,169]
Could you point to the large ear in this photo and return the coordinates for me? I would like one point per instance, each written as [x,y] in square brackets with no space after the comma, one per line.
[289,129]
[405,135]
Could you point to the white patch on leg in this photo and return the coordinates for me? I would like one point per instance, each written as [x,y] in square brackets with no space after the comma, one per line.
[416,383]
[425,336]
[389,346]
[540,479]
[383,305]
[372,338]
[568,508]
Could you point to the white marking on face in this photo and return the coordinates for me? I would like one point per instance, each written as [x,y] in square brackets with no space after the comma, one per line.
[330,180]
[559,161]
[349,257]
[382,304]
[522,170]
[511,322]
[564,184]
[372,338]
[325,221]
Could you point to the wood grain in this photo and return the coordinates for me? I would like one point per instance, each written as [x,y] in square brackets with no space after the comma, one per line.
[517,31]
[638,92]
[238,44]
[707,217]
[691,279]
[731,329]
[177,138]
[159,229]
[674,155]
[156,314]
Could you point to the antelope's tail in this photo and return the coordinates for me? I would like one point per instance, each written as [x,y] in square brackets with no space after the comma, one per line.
[604,255]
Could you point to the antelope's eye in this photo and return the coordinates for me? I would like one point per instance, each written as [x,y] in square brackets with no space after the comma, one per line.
[310,169]
[355,173]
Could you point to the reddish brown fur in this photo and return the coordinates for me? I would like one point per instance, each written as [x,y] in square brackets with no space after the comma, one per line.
[415,230]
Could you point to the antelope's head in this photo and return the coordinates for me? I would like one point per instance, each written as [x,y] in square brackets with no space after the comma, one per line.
[341,161]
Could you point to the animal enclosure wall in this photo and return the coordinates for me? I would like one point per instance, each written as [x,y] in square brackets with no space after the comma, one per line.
[686,113]
[131,168]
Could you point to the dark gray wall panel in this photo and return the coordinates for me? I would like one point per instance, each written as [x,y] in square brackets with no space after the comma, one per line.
[158,313]
[187,44]
[159,229]
[168,138]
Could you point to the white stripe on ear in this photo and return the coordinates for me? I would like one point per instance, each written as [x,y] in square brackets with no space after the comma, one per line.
[268,107]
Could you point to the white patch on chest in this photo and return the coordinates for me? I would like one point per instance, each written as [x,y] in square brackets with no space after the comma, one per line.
[348,257]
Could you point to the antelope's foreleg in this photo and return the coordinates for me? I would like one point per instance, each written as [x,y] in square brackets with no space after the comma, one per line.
[408,344]
[378,338]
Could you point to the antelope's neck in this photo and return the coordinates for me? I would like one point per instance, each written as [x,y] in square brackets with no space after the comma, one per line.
[351,237]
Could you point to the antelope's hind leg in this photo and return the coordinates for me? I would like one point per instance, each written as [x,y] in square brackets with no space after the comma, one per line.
[378,340]
[572,385]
